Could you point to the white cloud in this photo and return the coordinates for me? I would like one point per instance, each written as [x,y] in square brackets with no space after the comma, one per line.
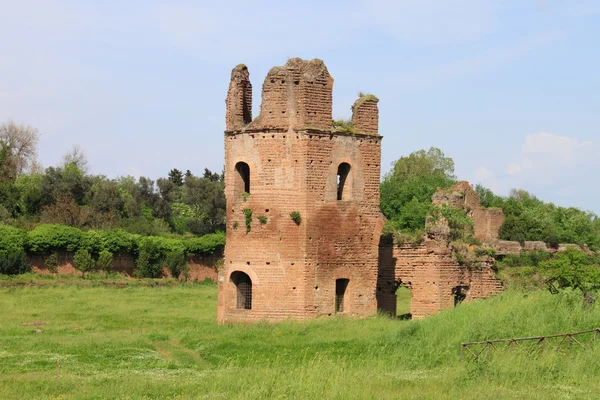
[545,162]
[561,148]
[545,158]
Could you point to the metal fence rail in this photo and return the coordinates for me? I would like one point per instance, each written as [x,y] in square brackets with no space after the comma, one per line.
[562,341]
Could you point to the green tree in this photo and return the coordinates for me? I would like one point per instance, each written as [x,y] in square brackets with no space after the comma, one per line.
[176,176]
[406,191]
[487,198]
[18,150]
[83,261]
[105,261]
[573,269]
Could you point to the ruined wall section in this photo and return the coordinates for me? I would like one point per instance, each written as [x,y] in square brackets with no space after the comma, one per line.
[486,221]
[432,273]
[365,114]
[297,95]
[239,99]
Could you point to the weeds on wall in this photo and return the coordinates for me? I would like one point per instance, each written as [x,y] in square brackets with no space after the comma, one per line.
[262,219]
[295,216]
[248,217]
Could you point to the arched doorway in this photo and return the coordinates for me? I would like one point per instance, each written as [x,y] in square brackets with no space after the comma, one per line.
[243,284]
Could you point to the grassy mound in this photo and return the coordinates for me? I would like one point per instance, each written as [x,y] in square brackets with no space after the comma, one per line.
[144,342]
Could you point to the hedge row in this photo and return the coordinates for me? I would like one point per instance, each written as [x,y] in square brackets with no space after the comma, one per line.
[150,251]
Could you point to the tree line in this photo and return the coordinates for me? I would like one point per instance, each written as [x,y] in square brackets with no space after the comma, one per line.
[407,189]
[178,204]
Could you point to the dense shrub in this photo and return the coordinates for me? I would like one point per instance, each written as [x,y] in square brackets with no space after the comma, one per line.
[206,245]
[11,236]
[105,261]
[50,237]
[119,241]
[52,262]
[175,262]
[83,261]
[526,258]
[152,253]
[12,252]
[92,242]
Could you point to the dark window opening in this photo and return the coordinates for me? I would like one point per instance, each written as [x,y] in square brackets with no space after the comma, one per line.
[243,284]
[342,181]
[242,183]
[340,290]
[459,293]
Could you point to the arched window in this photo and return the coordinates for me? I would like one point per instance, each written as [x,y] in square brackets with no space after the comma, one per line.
[242,178]
[340,291]
[243,284]
[343,172]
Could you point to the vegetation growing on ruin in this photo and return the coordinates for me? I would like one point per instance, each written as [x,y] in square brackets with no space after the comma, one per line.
[407,189]
[136,342]
[344,125]
[296,217]
[248,219]
[367,96]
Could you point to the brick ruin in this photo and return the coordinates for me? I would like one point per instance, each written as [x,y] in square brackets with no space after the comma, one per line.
[431,268]
[303,218]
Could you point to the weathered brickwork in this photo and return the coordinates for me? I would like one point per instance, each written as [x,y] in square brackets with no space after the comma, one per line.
[239,99]
[291,160]
[486,221]
[434,276]
[297,95]
[365,114]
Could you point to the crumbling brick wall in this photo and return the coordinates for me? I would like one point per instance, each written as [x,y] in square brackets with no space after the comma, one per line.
[297,95]
[432,273]
[239,99]
[365,114]
[294,157]
[486,221]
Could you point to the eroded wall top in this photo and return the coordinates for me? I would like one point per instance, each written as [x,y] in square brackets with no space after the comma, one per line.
[486,221]
[239,99]
[298,96]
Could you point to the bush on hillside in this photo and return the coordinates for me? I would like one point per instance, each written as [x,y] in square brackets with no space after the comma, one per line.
[213,243]
[83,261]
[12,252]
[105,261]
[51,237]
[119,241]
[175,262]
[152,253]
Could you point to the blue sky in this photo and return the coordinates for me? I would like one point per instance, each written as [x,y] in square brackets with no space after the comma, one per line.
[509,89]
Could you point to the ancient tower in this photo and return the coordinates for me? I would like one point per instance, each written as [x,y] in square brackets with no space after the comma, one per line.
[303,219]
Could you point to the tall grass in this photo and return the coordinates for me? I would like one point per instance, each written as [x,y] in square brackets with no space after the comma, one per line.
[144,342]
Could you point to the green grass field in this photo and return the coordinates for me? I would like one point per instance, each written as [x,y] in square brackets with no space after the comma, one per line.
[141,341]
